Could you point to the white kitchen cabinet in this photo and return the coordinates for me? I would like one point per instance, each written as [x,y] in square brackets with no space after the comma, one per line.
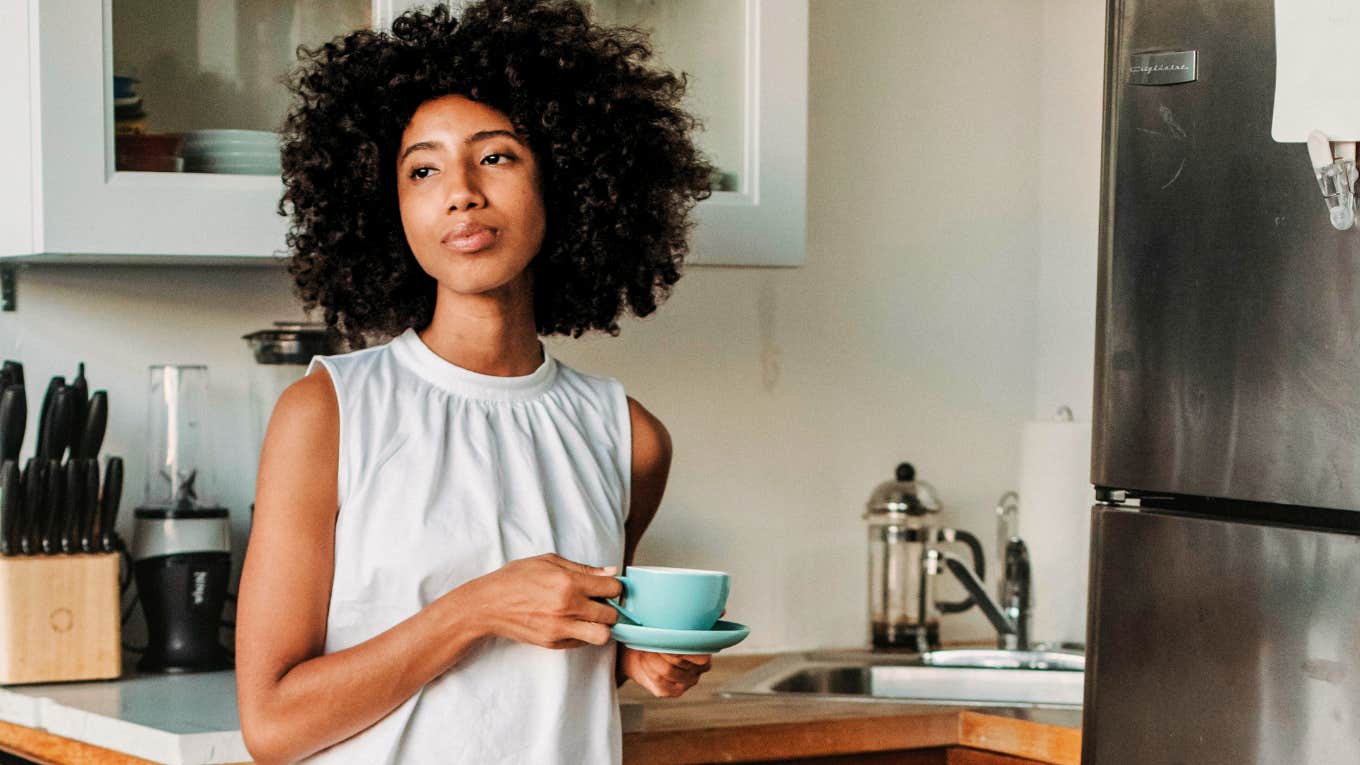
[217,64]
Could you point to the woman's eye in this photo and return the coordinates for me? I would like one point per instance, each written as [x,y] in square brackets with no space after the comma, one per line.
[496,159]
[420,172]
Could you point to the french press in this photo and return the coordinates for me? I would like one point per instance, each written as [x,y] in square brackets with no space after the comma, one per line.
[904,520]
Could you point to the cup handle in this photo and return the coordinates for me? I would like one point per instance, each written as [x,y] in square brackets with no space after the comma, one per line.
[620,608]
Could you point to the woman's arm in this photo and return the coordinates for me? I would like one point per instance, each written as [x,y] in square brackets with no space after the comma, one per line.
[651,468]
[293,699]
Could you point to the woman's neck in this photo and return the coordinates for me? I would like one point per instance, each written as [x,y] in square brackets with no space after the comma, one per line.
[489,334]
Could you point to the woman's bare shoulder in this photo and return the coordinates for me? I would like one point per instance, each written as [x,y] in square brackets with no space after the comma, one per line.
[310,398]
[307,411]
[651,441]
[302,442]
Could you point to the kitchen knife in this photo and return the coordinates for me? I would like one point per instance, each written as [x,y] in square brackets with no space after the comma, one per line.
[57,432]
[12,373]
[13,420]
[80,394]
[73,505]
[29,526]
[52,508]
[92,429]
[108,502]
[53,385]
[90,508]
[10,504]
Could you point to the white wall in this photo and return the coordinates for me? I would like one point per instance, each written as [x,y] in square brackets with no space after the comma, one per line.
[1071,83]
[790,394]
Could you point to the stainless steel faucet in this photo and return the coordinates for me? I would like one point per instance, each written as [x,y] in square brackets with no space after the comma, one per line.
[1011,617]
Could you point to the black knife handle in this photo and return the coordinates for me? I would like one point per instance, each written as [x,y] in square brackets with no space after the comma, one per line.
[108,503]
[34,483]
[52,508]
[13,421]
[73,504]
[13,371]
[89,508]
[96,420]
[45,413]
[80,402]
[59,428]
[11,502]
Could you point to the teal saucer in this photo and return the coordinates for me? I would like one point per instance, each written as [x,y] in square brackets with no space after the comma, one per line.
[657,640]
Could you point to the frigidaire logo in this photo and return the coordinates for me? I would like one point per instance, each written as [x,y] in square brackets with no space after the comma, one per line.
[1163,68]
[200,587]
[1150,68]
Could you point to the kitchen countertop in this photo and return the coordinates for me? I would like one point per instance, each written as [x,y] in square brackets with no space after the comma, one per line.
[703,727]
[191,720]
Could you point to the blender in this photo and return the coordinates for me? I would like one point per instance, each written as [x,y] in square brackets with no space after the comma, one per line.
[181,542]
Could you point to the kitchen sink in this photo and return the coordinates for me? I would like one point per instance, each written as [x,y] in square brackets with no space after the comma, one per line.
[963,677]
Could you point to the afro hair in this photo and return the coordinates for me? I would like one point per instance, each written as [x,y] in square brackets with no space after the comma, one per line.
[619,170]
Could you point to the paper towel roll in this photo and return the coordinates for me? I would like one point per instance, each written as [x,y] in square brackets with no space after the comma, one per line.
[1055,522]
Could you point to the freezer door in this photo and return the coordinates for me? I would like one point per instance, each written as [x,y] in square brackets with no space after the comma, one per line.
[1220,642]
[1228,322]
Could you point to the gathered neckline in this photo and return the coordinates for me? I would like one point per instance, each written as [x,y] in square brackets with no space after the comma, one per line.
[413,351]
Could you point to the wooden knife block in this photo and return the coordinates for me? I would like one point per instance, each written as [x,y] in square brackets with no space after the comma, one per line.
[59,618]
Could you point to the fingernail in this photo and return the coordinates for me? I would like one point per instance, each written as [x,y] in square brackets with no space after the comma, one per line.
[610,570]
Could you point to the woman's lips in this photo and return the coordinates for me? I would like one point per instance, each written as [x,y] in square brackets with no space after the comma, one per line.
[468,239]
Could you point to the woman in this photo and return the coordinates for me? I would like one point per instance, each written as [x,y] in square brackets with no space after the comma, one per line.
[437,517]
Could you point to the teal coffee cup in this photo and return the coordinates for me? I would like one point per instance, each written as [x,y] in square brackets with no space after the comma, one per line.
[672,598]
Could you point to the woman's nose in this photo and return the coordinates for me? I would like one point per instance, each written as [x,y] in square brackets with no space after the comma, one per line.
[464,192]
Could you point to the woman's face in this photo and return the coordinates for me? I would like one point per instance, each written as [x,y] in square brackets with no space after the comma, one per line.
[468,190]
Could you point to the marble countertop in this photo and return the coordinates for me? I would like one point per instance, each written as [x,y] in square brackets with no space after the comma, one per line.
[185,719]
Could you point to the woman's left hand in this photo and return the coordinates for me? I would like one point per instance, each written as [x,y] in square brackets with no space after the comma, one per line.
[666,675]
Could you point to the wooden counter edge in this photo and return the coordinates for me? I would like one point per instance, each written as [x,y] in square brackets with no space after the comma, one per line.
[791,740]
[50,749]
[1021,738]
[853,735]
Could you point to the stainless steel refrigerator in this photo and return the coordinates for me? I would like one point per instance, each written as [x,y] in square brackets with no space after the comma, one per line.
[1224,616]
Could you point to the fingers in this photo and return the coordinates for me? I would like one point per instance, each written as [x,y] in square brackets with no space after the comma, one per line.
[665,689]
[666,679]
[588,632]
[579,568]
[677,669]
[602,613]
[688,662]
[598,585]
[594,581]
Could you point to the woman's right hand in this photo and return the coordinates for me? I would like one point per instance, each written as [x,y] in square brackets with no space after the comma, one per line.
[548,601]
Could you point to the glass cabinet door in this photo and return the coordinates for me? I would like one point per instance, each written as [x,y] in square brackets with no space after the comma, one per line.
[155,124]
[705,39]
[746,63]
[197,84]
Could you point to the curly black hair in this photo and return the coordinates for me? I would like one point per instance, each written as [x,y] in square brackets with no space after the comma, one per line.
[619,170]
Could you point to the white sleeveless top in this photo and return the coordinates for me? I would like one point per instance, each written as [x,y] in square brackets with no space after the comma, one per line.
[446,475]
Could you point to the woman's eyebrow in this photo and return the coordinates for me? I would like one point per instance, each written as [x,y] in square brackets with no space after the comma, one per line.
[480,135]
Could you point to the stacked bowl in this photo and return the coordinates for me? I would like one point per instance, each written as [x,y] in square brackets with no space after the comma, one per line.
[239,152]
